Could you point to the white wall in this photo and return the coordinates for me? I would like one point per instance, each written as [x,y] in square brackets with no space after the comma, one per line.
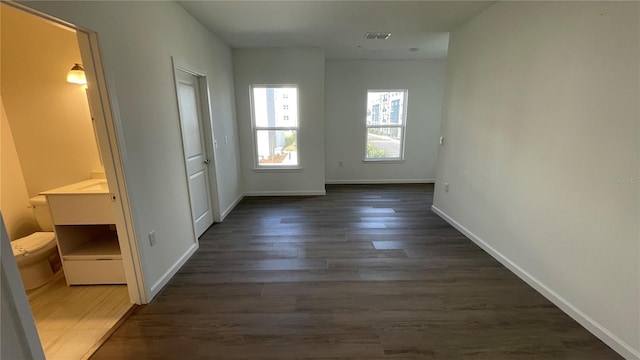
[304,67]
[14,199]
[49,118]
[14,344]
[18,335]
[137,41]
[347,82]
[541,122]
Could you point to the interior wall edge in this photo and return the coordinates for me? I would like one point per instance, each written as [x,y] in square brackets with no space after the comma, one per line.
[18,321]
[379,181]
[286,193]
[164,279]
[566,306]
[230,208]
[14,197]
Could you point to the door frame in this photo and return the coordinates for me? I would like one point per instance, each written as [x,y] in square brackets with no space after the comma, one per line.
[207,132]
[110,135]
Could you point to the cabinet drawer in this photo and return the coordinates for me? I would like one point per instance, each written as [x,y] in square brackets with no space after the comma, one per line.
[81,209]
[86,272]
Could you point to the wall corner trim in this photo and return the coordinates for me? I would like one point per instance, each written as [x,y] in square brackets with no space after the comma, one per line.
[230,208]
[164,279]
[287,193]
[379,181]
[583,319]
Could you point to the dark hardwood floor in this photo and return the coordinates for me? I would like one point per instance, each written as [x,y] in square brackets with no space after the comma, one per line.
[365,272]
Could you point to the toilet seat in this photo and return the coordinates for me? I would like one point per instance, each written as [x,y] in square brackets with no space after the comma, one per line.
[32,243]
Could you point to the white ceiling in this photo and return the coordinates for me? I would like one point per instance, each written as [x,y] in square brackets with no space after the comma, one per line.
[338,26]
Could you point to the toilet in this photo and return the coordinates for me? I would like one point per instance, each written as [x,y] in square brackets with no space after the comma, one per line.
[33,252]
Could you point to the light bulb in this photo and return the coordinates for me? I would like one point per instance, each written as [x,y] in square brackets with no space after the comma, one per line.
[76,75]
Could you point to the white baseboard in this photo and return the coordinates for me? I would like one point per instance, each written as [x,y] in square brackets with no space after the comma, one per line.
[164,279]
[381,181]
[585,320]
[231,207]
[285,193]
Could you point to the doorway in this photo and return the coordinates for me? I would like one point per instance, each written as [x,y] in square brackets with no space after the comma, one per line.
[64,134]
[193,103]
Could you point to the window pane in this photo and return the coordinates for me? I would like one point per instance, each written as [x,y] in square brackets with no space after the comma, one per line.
[275,106]
[385,107]
[277,147]
[383,143]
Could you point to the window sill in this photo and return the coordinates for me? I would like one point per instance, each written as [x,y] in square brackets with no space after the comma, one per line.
[278,169]
[385,161]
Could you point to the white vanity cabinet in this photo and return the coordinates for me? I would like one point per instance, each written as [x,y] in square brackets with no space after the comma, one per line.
[87,239]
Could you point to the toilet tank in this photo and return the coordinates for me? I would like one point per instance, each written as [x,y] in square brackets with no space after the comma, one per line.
[41,212]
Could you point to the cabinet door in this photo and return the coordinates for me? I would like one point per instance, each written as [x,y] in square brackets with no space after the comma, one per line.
[87,272]
[81,209]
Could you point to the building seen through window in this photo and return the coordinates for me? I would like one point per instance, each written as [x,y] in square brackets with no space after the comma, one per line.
[385,124]
[275,124]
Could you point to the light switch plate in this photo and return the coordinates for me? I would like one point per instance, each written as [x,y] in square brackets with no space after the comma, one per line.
[152,238]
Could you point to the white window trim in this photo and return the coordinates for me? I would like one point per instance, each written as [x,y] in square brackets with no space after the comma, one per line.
[403,128]
[256,163]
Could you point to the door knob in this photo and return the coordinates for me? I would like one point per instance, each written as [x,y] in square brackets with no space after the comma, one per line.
[207,161]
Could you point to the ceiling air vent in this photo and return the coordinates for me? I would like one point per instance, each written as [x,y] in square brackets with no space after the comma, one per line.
[377,35]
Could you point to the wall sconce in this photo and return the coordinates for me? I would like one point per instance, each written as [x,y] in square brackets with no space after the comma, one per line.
[76,75]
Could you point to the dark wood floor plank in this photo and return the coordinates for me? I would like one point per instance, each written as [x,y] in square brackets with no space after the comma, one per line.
[298,238]
[337,246]
[261,264]
[365,272]
[205,277]
[221,304]
[350,254]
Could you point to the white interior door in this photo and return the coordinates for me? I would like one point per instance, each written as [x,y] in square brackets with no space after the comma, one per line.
[193,141]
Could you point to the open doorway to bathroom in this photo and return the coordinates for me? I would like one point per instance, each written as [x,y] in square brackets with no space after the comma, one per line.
[62,196]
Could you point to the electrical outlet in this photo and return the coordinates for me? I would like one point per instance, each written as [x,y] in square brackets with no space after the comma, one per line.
[446,187]
[152,238]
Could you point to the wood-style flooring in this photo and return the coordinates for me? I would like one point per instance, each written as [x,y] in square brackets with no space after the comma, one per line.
[365,272]
[72,321]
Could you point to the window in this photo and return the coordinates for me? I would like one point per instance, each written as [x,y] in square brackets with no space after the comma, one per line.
[275,134]
[386,121]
